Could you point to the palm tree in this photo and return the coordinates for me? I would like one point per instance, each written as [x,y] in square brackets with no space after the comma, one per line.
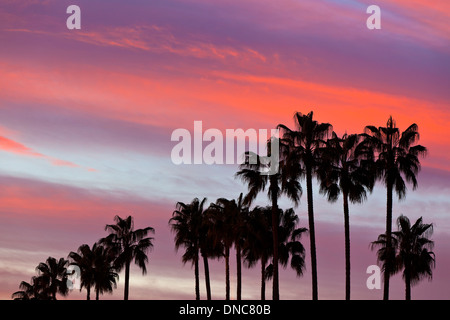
[52,274]
[97,269]
[209,248]
[285,181]
[347,170]
[128,244]
[291,249]
[223,214]
[84,259]
[35,290]
[398,159]
[257,245]
[413,255]
[186,223]
[229,226]
[104,275]
[306,143]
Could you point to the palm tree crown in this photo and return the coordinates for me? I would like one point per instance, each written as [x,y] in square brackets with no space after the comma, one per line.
[53,275]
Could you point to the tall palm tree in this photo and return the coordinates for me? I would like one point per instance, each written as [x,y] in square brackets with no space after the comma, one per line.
[413,255]
[84,259]
[398,159]
[128,244]
[285,181]
[186,223]
[257,245]
[347,171]
[306,142]
[52,274]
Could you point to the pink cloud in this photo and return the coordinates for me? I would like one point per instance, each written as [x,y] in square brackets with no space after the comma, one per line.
[12,146]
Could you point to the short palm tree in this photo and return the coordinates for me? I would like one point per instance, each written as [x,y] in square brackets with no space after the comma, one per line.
[104,276]
[35,290]
[413,251]
[84,259]
[209,248]
[187,224]
[347,171]
[52,274]
[257,245]
[306,142]
[398,159]
[128,244]
[97,268]
[225,216]
[285,181]
[291,249]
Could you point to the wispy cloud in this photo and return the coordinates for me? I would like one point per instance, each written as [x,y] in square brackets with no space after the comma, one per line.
[155,39]
[9,145]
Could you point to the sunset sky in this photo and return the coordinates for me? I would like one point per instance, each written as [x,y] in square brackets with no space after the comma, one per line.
[86,118]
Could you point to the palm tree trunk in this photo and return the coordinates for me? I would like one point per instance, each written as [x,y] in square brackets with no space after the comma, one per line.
[312,233]
[347,247]
[388,266]
[263,278]
[227,272]
[88,289]
[197,279]
[207,281]
[275,291]
[127,280]
[407,282]
[239,271]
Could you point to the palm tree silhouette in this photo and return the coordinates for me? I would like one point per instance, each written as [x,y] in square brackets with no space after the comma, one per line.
[84,259]
[397,160]
[413,255]
[347,170]
[230,224]
[128,244]
[52,275]
[257,245]
[224,214]
[209,248]
[285,181]
[187,224]
[306,143]
[104,275]
[291,249]
[36,290]
[411,245]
